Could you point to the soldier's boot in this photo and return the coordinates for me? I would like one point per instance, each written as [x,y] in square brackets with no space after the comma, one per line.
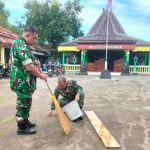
[81,118]
[31,125]
[78,119]
[25,130]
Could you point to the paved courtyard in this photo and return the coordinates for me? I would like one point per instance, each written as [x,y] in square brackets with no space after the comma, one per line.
[122,103]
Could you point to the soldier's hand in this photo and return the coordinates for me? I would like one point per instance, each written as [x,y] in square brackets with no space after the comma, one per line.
[49,113]
[44,77]
[77,97]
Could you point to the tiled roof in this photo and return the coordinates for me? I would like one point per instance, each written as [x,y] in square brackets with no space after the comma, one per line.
[98,32]
[140,42]
[39,48]
[39,51]
[70,43]
[6,36]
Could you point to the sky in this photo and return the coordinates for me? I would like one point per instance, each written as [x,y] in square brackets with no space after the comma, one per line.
[134,15]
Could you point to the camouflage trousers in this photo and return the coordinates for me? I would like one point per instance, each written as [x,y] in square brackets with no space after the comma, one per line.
[23,105]
[65,101]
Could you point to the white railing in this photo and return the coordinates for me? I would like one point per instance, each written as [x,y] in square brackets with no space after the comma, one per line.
[139,69]
[71,67]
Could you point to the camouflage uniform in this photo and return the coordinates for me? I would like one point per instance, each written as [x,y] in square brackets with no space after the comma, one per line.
[21,81]
[69,93]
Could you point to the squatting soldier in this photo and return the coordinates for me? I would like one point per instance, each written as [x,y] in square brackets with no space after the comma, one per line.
[69,90]
[23,78]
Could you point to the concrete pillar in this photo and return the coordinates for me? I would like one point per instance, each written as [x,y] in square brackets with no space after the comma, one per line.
[2,50]
[0,55]
[149,62]
[82,56]
[145,60]
[63,58]
[127,56]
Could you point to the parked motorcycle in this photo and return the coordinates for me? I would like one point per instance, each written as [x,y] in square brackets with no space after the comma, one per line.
[63,69]
[4,72]
[7,72]
[57,70]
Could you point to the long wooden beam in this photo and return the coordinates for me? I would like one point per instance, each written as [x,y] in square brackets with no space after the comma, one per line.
[108,140]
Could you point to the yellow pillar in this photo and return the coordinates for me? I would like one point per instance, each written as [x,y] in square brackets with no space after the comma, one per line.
[2,51]
[0,54]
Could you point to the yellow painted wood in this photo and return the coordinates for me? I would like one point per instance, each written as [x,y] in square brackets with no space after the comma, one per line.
[108,140]
[142,48]
[67,48]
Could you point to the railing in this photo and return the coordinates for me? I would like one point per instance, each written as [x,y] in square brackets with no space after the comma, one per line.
[132,69]
[69,67]
[139,69]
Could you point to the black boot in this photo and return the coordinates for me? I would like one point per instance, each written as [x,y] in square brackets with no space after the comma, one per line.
[26,131]
[31,125]
[81,118]
[78,119]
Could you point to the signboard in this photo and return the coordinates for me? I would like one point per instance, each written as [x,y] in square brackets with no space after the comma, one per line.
[103,46]
[67,48]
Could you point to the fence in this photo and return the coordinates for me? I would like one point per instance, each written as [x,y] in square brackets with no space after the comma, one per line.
[69,67]
[132,69]
[139,69]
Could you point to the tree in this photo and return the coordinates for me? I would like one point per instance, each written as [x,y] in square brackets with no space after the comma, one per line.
[4,14]
[73,9]
[16,29]
[55,23]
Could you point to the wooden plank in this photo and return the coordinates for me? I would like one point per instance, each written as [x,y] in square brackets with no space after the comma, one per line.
[108,140]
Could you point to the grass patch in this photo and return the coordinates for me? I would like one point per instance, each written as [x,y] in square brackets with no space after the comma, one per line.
[9,119]
[2,98]
[4,131]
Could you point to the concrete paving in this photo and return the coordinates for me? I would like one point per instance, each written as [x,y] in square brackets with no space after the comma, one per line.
[122,103]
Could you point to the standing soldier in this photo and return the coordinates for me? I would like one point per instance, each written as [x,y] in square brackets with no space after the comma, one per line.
[69,90]
[23,78]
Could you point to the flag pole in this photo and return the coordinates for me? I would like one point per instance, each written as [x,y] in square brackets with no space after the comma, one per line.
[105,74]
[107,33]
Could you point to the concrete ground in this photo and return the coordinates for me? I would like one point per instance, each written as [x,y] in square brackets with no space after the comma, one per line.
[122,103]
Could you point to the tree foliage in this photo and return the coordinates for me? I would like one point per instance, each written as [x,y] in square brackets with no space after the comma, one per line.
[16,29]
[4,14]
[73,9]
[56,23]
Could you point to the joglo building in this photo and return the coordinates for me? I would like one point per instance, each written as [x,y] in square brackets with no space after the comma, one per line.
[91,48]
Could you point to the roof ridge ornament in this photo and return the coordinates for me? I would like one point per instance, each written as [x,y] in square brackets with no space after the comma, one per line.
[109,5]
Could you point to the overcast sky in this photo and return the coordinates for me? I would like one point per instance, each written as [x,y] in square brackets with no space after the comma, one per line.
[134,15]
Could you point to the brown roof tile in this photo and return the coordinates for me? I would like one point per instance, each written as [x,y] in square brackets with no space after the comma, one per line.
[6,36]
[98,32]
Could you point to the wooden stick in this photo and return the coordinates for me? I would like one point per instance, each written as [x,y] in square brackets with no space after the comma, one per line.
[65,123]
[108,140]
